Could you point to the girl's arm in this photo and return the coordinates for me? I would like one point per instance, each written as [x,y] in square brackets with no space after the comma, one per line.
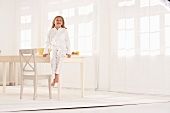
[67,44]
[47,44]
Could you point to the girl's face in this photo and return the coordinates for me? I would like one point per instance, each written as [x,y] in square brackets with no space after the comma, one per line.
[58,22]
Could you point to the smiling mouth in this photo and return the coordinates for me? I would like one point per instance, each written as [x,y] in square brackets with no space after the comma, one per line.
[58,23]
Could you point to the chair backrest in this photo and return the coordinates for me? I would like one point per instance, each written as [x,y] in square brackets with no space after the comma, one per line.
[28,61]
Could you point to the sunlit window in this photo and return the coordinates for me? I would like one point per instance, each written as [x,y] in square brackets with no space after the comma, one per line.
[79,21]
[26,38]
[121,43]
[154,35]
[130,38]
[51,15]
[150,36]
[167,19]
[154,23]
[154,2]
[53,2]
[144,44]
[126,37]
[26,19]
[70,29]
[68,12]
[167,34]
[130,2]
[126,3]
[121,24]
[130,44]
[130,23]
[26,8]
[85,38]
[89,9]
[25,24]
[141,27]
[144,24]
[144,36]
[122,3]
[144,3]
[85,10]
[167,40]
[121,37]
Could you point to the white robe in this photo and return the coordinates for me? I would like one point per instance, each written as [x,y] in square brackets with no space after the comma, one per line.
[59,43]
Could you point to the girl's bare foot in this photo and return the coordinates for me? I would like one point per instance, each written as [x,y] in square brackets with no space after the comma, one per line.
[53,83]
[55,80]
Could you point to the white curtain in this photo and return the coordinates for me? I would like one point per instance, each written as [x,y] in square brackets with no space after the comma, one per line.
[103,46]
[140,47]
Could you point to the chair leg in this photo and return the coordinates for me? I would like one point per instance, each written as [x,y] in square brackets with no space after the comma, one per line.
[49,86]
[21,90]
[35,89]
[59,88]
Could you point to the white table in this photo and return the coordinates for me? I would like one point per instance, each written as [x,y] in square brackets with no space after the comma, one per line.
[13,59]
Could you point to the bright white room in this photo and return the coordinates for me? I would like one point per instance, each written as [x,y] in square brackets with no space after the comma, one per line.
[122,64]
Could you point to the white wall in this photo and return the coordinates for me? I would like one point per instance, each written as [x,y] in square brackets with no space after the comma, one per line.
[7,29]
[104,46]
[7,26]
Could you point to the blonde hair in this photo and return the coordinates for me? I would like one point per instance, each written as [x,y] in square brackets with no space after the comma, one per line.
[53,23]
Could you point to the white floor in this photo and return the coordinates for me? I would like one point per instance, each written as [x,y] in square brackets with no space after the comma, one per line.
[72,103]
[144,108]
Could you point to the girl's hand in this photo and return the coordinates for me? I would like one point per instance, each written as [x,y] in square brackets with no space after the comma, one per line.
[44,55]
[68,55]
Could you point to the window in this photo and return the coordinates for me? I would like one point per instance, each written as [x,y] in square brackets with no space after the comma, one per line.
[138,29]
[167,34]
[126,3]
[79,20]
[154,2]
[146,3]
[144,35]
[51,15]
[71,35]
[149,35]
[121,37]
[154,35]
[126,39]
[26,38]
[26,31]
[25,19]
[85,38]
[68,12]
[85,10]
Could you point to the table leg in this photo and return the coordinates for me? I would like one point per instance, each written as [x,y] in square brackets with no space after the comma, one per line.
[82,79]
[11,73]
[4,76]
[15,74]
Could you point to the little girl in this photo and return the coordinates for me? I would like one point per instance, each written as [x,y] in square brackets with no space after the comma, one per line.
[59,44]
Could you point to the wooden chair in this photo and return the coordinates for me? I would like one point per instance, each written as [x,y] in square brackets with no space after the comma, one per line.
[29,71]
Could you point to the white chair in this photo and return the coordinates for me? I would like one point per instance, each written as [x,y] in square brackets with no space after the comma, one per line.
[29,71]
